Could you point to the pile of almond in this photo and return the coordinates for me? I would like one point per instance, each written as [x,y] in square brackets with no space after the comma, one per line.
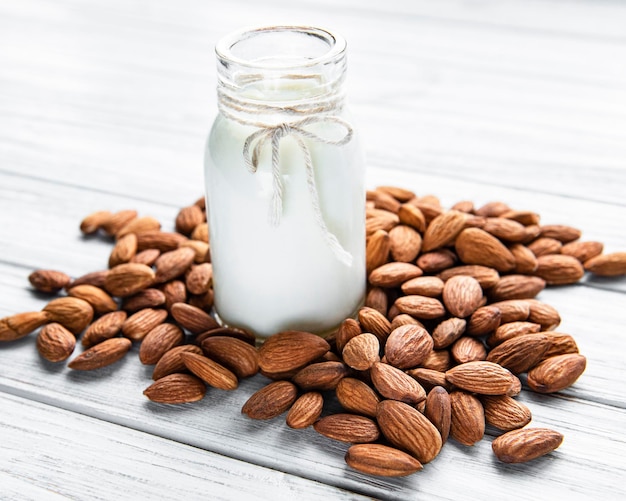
[449,332]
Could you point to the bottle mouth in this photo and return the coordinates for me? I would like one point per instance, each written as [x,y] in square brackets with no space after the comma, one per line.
[280,48]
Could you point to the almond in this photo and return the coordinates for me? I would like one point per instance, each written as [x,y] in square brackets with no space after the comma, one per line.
[188,218]
[403,319]
[200,278]
[305,411]
[559,269]
[511,330]
[348,329]
[101,355]
[607,265]
[124,250]
[348,428]
[466,206]
[21,324]
[443,230]
[439,411]
[322,376]
[543,314]
[429,378]
[234,354]
[405,243]
[476,246]
[361,352]
[556,373]
[487,277]
[160,240]
[393,274]
[147,257]
[72,313]
[520,446]
[436,261]
[374,322]
[175,292]
[94,221]
[137,326]
[202,250]
[95,278]
[438,360]
[429,205]
[407,346]
[484,320]
[357,397]
[412,216]
[99,300]
[583,251]
[171,362]
[447,332]
[290,350]
[49,280]
[193,318]
[505,229]
[505,413]
[381,460]
[468,349]
[395,384]
[544,246]
[513,310]
[377,250]
[462,295]
[147,298]
[467,418]
[400,194]
[519,353]
[384,201]
[559,344]
[158,341]
[201,233]
[115,222]
[128,278]
[485,378]
[408,429]
[176,389]
[423,286]
[493,209]
[420,306]
[137,226]
[233,332]
[376,299]
[516,287]
[173,263]
[378,219]
[271,400]
[106,327]
[524,217]
[55,343]
[525,259]
[209,371]
[560,232]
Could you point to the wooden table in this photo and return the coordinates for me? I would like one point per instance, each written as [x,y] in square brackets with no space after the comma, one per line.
[106,105]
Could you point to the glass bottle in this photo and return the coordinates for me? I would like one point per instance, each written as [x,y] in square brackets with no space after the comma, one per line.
[285,185]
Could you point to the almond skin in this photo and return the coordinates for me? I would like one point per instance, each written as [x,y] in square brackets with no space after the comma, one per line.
[348,329]
[520,353]
[520,446]
[101,355]
[374,322]
[412,216]
[468,349]
[556,373]
[607,265]
[487,277]
[484,320]
[171,362]
[381,460]
[447,332]
[99,300]
[305,411]
[104,328]
[361,352]
[234,354]
[423,286]
[199,278]
[21,324]
[271,400]
[209,371]
[405,243]
[443,230]
[128,278]
[395,384]
[158,341]
[511,330]
[147,257]
[94,221]
[409,430]
[176,389]
[193,318]
[439,411]
[462,295]
[49,280]
[147,298]
[394,274]
[72,313]
[290,350]
[467,421]
[348,428]
[160,240]
[357,397]
[115,222]
[559,269]
[407,346]
[377,250]
[476,246]
[137,226]
[516,287]
[505,413]
[55,343]
[421,307]
[173,263]
[485,378]
[124,250]
[188,218]
[137,326]
[322,376]
[583,251]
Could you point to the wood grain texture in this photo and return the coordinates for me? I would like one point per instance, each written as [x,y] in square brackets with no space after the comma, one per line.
[106,105]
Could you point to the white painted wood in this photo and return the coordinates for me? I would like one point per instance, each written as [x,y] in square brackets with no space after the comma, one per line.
[105,105]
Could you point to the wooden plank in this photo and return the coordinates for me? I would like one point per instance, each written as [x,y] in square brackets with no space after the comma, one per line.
[76,457]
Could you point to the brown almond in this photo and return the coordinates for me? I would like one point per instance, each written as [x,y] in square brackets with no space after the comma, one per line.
[438,410]
[403,319]
[138,225]
[171,362]
[423,286]
[356,396]
[115,222]
[147,298]
[513,310]
[466,206]
[322,376]
[305,411]
[378,219]
[377,250]
[348,428]
[128,278]
[487,277]
[348,329]
[21,324]
[384,201]
[200,278]
[493,209]
[467,418]
[556,373]
[607,265]
[405,242]
[409,430]
[72,313]
[193,318]
[543,314]
[421,307]
[505,413]
[524,217]
[101,355]
[505,229]
[519,353]
[511,330]
[476,246]
[176,389]
[202,250]
[203,301]
[94,221]
[525,259]
[407,346]
[484,320]
[147,257]
[49,280]
[124,250]
[429,205]
[158,341]
[271,400]
[559,344]
[462,295]
[412,216]
[374,322]
[161,240]
[468,349]
[395,384]
[377,299]
[561,232]
[209,371]
[99,300]
[55,343]
[516,287]
[583,251]
[361,352]
[95,278]
[397,192]
[544,246]
[173,263]
[559,269]
[520,446]
[175,292]
[106,327]
[447,332]
[393,274]
[381,460]
[188,218]
[438,360]
[241,334]
[290,350]
[429,378]
[485,378]
[443,230]
[201,233]
[436,261]
[137,326]
[234,354]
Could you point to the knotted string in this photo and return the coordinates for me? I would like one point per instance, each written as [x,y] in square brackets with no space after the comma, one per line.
[254,143]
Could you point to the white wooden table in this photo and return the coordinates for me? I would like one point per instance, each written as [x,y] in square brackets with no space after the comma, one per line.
[105,104]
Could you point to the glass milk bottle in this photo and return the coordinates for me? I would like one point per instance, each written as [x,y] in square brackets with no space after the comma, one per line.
[284,184]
